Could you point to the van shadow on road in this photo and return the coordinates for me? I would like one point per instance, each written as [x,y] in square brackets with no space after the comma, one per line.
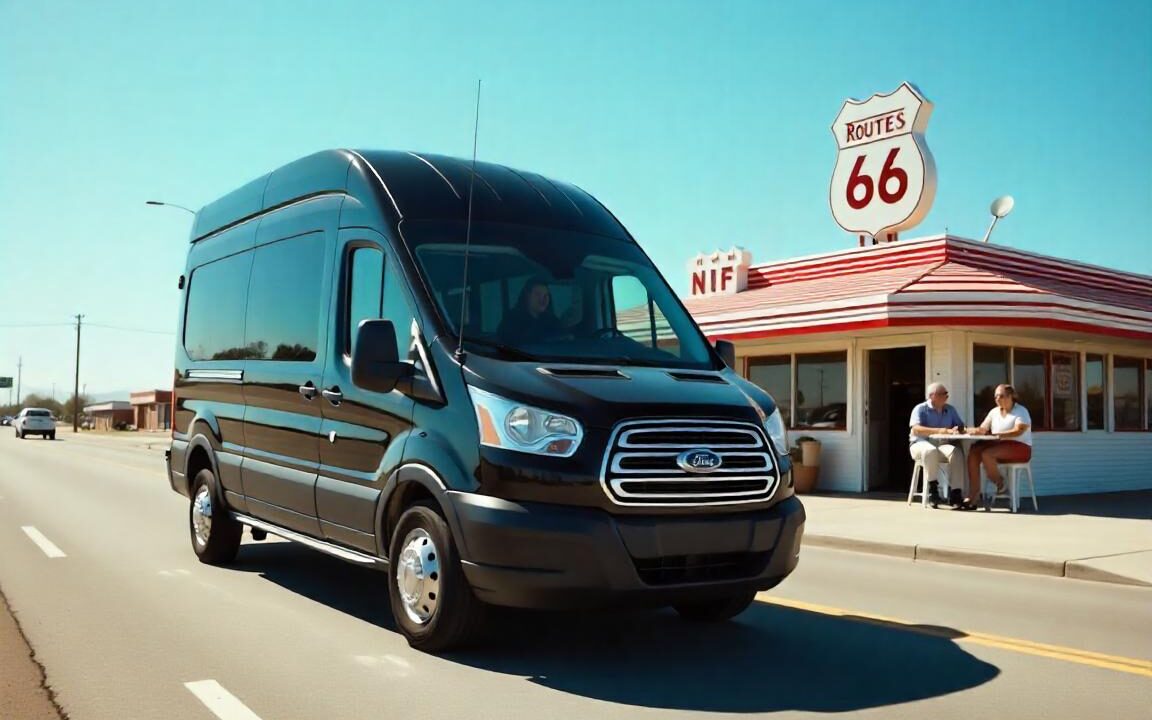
[770,658]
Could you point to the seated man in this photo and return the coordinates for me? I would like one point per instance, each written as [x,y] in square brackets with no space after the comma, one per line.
[932,417]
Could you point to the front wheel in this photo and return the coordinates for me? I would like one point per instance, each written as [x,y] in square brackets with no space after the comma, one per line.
[215,534]
[431,600]
[717,609]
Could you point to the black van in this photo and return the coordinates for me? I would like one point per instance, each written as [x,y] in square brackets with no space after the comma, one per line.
[476,382]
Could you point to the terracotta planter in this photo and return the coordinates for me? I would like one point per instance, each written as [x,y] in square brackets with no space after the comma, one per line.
[804,477]
[811,452]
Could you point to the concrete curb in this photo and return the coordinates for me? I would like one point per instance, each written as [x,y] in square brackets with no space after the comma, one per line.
[1081,571]
[1012,563]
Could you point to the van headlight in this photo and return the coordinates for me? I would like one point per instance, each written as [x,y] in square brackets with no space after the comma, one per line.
[515,426]
[774,426]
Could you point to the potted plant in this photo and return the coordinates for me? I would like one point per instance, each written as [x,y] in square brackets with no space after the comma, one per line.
[805,456]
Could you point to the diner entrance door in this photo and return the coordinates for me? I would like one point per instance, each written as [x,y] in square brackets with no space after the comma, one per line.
[895,385]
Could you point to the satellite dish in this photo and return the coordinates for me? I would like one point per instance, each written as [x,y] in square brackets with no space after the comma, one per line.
[1002,205]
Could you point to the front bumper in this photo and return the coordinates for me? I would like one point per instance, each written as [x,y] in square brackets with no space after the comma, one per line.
[536,555]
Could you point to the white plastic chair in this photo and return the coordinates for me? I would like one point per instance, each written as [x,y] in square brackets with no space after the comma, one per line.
[1012,472]
[918,472]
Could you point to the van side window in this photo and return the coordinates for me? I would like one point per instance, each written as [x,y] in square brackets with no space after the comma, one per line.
[365,290]
[214,315]
[375,290]
[284,300]
[397,310]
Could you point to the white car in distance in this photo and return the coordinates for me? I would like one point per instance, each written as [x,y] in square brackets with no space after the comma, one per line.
[35,421]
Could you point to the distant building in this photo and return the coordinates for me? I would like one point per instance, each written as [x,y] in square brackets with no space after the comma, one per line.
[152,409]
[107,415]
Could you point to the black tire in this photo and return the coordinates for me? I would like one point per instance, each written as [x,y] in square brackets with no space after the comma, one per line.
[718,609]
[454,614]
[217,541]
[52,435]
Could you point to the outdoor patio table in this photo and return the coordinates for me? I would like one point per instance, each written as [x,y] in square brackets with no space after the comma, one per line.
[964,439]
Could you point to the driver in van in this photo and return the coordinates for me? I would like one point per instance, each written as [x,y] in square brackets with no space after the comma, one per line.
[532,318]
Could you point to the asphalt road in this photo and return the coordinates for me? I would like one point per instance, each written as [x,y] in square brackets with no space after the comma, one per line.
[96,566]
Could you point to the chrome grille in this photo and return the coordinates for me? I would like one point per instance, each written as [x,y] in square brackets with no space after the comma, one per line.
[640,467]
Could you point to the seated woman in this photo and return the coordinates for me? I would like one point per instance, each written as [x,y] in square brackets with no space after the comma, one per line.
[532,318]
[1010,422]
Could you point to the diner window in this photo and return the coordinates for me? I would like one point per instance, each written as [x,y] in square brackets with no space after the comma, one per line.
[820,382]
[1065,385]
[1047,384]
[1028,377]
[1128,391]
[1094,383]
[774,375]
[1148,394]
[989,369]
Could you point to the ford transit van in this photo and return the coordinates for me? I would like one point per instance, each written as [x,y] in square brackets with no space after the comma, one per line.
[475,381]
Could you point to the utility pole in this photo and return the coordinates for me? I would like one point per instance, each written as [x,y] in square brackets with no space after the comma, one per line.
[19,372]
[76,384]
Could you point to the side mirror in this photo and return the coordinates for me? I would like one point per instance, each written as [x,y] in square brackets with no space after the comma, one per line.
[375,363]
[727,352]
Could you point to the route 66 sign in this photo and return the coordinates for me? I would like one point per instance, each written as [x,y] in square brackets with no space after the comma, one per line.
[885,178]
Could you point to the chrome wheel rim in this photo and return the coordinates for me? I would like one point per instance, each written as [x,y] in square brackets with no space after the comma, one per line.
[418,576]
[202,516]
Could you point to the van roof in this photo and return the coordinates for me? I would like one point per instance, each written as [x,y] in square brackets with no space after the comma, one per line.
[416,186]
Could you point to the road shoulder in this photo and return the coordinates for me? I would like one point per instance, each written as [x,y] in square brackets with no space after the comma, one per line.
[22,691]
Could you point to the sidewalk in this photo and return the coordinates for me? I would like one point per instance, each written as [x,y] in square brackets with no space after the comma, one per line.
[159,440]
[1106,537]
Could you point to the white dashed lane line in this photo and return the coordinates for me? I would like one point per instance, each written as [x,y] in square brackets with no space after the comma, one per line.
[42,542]
[222,703]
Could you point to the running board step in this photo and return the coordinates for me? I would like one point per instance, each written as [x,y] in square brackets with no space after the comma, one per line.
[325,547]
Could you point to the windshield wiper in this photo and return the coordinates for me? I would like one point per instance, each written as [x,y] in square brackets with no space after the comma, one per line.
[505,350]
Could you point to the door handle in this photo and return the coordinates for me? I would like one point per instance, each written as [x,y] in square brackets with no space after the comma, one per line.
[308,390]
[333,395]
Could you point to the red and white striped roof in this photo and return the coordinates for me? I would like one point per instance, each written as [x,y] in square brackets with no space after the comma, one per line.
[934,281]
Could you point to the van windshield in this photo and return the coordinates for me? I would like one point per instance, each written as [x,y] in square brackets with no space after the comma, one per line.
[553,295]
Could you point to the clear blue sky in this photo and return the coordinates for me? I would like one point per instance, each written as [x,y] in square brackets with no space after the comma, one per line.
[700,124]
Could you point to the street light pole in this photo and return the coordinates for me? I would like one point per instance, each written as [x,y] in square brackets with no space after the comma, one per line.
[168,204]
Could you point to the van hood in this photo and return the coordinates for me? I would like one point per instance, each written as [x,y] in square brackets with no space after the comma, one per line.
[601,396]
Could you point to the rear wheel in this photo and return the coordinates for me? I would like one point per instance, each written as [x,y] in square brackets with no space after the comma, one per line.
[717,609]
[431,600]
[52,435]
[215,534]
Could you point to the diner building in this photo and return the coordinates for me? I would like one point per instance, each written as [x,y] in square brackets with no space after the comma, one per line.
[846,343]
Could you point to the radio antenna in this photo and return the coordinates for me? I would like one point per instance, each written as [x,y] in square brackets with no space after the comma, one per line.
[468,229]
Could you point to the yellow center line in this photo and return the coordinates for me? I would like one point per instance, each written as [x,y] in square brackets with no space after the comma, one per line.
[1134,666]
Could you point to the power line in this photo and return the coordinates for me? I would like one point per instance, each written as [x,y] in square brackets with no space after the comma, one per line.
[98,325]
[128,329]
[35,325]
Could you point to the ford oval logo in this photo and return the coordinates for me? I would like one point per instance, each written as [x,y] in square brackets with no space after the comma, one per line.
[698,461]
